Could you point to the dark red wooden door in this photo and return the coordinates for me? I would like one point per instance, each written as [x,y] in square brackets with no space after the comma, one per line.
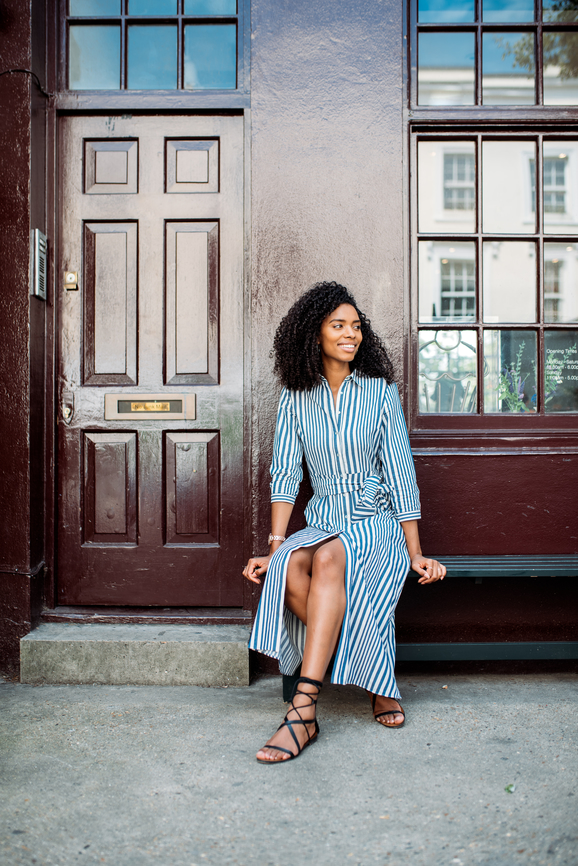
[150,361]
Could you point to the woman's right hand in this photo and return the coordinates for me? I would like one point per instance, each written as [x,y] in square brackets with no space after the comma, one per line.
[256,565]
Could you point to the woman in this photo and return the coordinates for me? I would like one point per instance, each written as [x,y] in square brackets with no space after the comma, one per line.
[341,577]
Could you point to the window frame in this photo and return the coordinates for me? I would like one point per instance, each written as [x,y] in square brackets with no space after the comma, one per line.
[476,422]
[177,98]
[480,111]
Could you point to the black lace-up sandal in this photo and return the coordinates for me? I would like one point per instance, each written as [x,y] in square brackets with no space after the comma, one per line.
[378,716]
[290,723]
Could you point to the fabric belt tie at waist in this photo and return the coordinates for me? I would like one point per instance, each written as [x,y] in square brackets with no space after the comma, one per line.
[370,486]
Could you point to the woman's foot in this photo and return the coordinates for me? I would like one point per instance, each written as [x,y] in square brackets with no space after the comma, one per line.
[299,727]
[387,711]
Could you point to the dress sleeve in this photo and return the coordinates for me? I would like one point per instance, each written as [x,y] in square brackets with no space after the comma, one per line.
[287,465]
[397,459]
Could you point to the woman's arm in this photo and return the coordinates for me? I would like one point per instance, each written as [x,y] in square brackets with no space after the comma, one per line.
[280,514]
[430,569]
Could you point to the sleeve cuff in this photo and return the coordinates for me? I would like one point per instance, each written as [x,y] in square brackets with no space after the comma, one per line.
[283,497]
[408,515]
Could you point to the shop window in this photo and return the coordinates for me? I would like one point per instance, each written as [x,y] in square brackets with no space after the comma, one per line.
[152,44]
[497,52]
[494,305]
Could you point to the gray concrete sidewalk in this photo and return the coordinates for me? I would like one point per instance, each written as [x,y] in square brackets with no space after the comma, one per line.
[132,776]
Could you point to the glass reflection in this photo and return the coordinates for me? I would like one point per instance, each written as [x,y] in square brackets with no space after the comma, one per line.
[445,11]
[94,57]
[152,7]
[509,281]
[210,7]
[560,10]
[447,371]
[560,192]
[81,8]
[447,281]
[561,371]
[508,69]
[510,363]
[446,69]
[152,57]
[560,68]
[447,186]
[560,282]
[210,56]
[508,11]
[507,204]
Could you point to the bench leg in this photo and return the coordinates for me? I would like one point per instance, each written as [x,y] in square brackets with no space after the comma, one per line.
[289,681]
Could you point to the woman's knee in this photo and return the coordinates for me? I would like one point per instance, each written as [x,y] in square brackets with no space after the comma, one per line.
[330,559]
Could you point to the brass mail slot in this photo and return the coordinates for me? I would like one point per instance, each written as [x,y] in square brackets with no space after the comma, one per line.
[122,407]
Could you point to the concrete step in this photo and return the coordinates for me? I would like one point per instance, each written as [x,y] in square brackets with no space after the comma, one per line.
[155,655]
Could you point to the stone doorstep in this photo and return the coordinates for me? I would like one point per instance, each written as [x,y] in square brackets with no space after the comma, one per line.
[151,655]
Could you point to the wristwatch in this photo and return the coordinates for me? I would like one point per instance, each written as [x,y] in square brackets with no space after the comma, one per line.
[275,538]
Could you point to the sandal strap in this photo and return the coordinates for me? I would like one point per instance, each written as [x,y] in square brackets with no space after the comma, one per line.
[390,713]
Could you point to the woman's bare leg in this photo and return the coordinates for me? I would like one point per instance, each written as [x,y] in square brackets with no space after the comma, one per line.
[324,612]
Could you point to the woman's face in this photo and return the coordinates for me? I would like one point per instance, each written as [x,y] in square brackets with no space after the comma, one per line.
[340,334]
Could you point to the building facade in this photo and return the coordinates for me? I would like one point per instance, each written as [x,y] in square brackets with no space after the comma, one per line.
[175,174]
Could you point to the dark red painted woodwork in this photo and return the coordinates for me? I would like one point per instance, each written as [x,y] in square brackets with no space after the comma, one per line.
[150,510]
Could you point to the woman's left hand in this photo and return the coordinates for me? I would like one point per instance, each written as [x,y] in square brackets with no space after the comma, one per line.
[430,569]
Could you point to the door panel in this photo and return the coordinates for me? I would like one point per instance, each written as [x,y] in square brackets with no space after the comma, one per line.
[150,508]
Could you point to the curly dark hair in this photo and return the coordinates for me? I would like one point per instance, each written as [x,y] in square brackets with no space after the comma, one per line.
[298,360]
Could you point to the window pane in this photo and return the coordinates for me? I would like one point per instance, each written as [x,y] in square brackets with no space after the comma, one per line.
[560,68]
[210,56]
[561,371]
[510,371]
[447,186]
[445,11]
[210,7]
[152,7]
[509,281]
[447,281]
[508,69]
[447,371]
[560,10]
[560,179]
[152,57]
[446,69]
[508,10]
[561,282]
[94,57]
[507,186]
[94,7]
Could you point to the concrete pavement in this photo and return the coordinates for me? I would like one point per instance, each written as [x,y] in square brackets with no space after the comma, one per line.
[132,776]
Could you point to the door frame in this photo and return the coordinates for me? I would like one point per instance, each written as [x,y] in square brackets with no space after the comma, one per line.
[188,103]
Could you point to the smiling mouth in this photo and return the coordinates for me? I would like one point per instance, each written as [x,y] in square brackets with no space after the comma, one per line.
[346,346]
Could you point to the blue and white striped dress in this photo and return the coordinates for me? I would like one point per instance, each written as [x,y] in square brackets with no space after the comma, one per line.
[363,479]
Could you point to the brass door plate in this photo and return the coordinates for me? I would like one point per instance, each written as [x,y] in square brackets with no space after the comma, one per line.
[150,407]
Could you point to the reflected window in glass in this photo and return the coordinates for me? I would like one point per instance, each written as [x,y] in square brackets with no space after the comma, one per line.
[447,281]
[560,181]
[509,281]
[152,57]
[508,68]
[561,371]
[93,57]
[447,186]
[210,56]
[507,11]
[510,364]
[446,68]
[560,282]
[445,11]
[447,372]
[507,204]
